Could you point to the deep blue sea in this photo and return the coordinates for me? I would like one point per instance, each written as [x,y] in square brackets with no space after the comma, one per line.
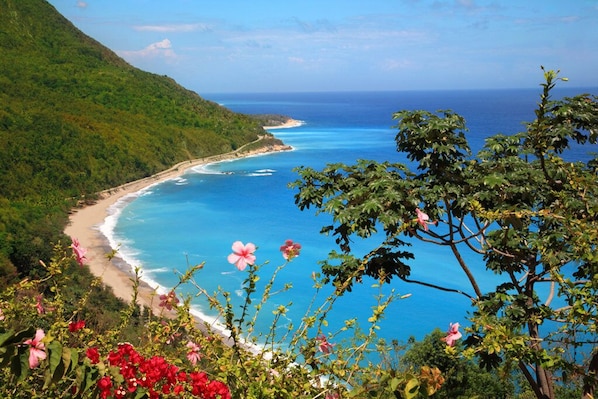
[197,217]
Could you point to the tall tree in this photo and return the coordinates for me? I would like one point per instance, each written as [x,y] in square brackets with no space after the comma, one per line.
[531,215]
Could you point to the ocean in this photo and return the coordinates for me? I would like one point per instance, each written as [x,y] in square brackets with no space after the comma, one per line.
[196,217]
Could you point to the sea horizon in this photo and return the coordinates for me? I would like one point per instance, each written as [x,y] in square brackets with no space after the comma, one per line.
[197,216]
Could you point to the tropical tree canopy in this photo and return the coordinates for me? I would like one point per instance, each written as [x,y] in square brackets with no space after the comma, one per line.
[529,213]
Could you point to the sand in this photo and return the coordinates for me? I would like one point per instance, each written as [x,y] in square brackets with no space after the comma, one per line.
[288,124]
[84,224]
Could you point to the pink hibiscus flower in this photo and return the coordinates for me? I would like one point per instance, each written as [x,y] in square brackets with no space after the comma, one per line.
[79,251]
[39,306]
[452,334]
[169,300]
[323,345]
[242,255]
[422,219]
[36,349]
[193,355]
[290,249]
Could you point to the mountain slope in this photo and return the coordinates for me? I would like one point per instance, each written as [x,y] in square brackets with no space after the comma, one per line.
[75,118]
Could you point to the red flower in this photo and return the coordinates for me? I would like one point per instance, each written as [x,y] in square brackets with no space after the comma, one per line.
[76,325]
[290,249]
[93,355]
[217,389]
[105,386]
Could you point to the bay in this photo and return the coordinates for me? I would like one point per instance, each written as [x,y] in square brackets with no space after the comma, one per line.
[197,217]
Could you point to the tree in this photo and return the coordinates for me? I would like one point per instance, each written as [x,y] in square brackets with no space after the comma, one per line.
[463,377]
[530,215]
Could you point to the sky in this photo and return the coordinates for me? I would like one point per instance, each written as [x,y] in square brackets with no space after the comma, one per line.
[223,46]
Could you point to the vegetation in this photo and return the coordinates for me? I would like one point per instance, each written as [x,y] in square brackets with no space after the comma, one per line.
[271,119]
[51,347]
[76,119]
[529,215]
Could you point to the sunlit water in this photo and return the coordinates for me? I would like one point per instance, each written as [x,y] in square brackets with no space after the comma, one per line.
[196,218]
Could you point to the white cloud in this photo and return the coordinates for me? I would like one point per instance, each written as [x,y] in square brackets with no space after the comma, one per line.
[162,49]
[173,28]
[81,4]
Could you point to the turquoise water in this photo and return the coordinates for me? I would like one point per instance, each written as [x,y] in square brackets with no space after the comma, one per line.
[197,217]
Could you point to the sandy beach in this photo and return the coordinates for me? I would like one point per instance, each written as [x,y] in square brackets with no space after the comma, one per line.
[84,224]
[288,124]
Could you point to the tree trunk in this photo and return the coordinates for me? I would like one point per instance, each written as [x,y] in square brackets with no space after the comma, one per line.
[591,378]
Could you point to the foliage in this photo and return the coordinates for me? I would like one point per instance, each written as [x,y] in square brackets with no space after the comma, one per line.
[76,119]
[463,377]
[50,346]
[529,214]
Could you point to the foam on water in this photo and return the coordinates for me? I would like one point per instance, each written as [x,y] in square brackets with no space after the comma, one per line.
[196,218]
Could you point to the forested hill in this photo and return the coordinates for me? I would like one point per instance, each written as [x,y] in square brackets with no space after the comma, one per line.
[75,118]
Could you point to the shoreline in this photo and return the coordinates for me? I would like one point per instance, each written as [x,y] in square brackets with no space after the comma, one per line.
[85,222]
[289,123]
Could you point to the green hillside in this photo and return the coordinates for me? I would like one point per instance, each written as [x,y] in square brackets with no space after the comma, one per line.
[75,118]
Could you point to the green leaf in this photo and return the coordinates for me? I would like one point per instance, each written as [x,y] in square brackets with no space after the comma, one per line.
[411,388]
[11,338]
[54,350]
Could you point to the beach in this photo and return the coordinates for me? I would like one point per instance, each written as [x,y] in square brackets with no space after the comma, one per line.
[84,225]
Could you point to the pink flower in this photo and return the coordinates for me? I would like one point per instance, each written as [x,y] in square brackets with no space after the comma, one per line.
[290,249]
[242,255]
[36,349]
[39,306]
[422,219]
[79,251]
[452,334]
[323,345]
[169,300]
[193,355]
[1,315]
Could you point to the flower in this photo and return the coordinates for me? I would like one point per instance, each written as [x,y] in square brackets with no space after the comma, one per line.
[169,300]
[79,251]
[105,386]
[290,249]
[422,219]
[93,355]
[75,326]
[323,345]
[242,255]
[39,306]
[452,334]
[193,355]
[36,349]
[1,315]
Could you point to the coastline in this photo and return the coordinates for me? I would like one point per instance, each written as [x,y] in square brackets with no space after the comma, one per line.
[85,222]
[289,123]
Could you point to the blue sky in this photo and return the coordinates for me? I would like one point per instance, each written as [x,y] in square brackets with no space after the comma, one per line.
[212,46]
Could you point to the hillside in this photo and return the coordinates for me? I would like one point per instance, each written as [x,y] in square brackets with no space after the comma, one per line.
[75,119]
